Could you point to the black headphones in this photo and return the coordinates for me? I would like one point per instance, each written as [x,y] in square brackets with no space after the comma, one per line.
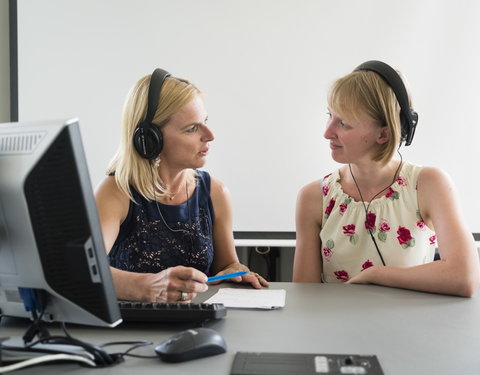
[408,116]
[148,138]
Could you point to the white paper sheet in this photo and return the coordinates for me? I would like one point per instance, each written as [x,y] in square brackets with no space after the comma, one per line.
[249,298]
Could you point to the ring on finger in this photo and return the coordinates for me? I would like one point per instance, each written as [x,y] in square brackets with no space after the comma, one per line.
[184,296]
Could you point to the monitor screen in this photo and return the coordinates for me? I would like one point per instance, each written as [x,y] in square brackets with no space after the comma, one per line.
[51,243]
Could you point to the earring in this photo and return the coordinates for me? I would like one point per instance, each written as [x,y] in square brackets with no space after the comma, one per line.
[157,162]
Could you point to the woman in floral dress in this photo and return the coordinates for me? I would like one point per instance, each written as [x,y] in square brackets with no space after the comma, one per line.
[377,219]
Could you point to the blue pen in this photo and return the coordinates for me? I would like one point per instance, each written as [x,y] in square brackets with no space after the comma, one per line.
[226,276]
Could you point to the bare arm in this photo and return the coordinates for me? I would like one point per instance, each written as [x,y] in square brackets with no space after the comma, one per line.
[307,265]
[225,257]
[458,271]
[167,285]
[112,205]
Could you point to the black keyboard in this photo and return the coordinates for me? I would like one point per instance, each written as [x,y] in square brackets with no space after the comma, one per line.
[170,312]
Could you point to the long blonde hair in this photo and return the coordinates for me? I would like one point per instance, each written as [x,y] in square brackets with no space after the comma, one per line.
[366,90]
[131,170]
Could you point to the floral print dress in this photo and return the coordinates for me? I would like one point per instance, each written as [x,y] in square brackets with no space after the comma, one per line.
[394,219]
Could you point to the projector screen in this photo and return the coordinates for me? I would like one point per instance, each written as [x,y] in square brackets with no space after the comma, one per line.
[265,67]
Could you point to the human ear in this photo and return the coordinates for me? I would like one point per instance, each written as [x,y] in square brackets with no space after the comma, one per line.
[383,135]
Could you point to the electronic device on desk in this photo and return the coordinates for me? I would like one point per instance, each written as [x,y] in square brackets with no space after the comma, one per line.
[53,264]
[249,363]
[171,312]
[191,344]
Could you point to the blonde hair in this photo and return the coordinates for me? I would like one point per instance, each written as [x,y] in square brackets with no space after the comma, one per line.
[131,170]
[367,91]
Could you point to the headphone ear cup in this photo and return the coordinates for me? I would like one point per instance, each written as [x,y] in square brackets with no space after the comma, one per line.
[411,128]
[408,126]
[148,138]
[148,141]
[405,126]
[414,115]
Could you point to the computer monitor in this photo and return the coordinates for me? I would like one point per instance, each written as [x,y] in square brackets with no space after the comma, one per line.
[51,243]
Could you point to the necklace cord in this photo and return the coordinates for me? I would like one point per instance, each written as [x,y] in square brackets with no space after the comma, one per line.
[161,215]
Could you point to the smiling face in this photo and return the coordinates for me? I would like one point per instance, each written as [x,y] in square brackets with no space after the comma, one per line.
[354,139]
[186,137]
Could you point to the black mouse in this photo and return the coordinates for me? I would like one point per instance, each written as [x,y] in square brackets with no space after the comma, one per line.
[191,344]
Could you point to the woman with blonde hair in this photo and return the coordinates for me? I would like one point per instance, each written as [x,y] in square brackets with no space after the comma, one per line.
[166,223]
[378,219]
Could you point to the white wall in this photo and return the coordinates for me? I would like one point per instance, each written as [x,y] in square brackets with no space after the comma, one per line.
[265,67]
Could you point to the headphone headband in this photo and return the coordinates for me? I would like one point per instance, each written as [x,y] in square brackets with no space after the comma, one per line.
[156,83]
[408,116]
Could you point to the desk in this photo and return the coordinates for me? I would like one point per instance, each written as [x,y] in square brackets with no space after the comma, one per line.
[410,332]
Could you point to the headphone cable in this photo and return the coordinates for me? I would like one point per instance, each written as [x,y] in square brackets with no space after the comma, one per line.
[366,207]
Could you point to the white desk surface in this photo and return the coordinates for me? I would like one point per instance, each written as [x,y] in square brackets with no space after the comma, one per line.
[410,332]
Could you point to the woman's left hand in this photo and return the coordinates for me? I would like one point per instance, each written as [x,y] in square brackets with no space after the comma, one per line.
[252,278]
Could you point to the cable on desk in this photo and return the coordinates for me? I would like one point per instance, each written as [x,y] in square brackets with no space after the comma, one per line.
[101,357]
[38,329]
[47,358]
[94,355]
[136,345]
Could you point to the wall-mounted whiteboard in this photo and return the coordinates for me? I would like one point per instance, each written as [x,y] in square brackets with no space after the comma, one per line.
[265,67]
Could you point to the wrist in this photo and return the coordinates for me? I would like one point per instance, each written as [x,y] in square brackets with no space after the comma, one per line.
[374,274]
[134,287]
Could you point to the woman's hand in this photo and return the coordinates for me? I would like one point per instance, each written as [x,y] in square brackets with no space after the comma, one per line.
[252,278]
[175,284]
[364,277]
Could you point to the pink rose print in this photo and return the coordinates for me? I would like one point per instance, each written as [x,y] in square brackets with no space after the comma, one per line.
[401,181]
[405,238]
[343,207]
[366,265]
[392,194]
[342,275]
[370,222]
[403,235]
[349,229]
[329,208]
[325,189]
[384,226]
[328,175]
[421,224]
[327,253]
[433,240]
[327,250]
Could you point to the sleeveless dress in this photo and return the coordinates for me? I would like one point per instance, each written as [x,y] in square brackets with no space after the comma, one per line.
[146,244]
[400,233]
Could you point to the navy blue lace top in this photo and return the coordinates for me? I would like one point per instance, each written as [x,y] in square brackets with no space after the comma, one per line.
[145,244]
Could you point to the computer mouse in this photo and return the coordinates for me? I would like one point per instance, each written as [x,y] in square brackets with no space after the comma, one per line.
[191,344]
